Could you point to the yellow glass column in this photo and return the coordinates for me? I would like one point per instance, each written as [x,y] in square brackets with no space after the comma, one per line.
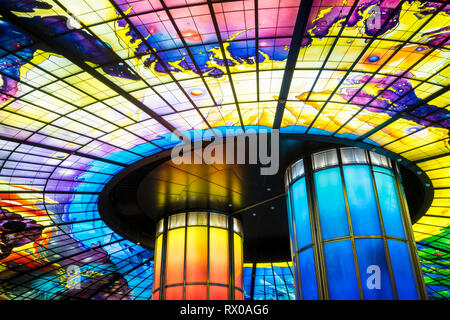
[198,256]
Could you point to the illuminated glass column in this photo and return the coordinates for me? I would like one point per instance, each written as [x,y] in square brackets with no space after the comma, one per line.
[350,231]
[198,256]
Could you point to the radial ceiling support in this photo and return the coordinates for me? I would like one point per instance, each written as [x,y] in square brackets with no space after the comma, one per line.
[36,33]
[297,38]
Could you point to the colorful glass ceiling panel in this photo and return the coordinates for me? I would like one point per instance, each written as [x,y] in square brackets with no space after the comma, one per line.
[90,87]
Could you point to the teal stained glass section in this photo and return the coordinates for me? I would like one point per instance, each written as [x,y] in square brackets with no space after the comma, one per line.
[401,265]
[389,205]
[341,272]
[361,200]
[301,213]
[373,269]
[331,202]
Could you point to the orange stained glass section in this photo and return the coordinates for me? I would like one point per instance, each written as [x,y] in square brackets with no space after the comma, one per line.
[218,256]
[218,293]
[174,293]
[175,257]
[196,255]
[196,292]
[157,271]
[238,261]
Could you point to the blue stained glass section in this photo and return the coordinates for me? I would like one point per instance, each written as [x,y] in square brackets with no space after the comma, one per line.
[401,265]
[361,200]
[341,273]
[308,275]
[291,233]
[373,269]
[389,205]
[301,213]
[330,199]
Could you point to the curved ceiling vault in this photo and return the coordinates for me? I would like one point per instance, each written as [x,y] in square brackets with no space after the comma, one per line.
[90,87]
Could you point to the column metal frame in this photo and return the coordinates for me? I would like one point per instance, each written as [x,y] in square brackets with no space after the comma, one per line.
[410,243]
[316,234]
[383,230]
[349,223]
[230,234]
[321,274]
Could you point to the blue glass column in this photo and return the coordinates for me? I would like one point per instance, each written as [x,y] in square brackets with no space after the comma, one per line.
[351,236]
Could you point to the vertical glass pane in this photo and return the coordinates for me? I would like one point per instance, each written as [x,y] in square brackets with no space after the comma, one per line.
[373,269]
[289,213]
[308,275]
[197,218]
[196,254]
[160,227]
[218,255]
[325,159]
[296,265]
[237,226]
[361,200]
[330,199]
[237,295]
[341,274]
[238,260]
[401,265]
[353,155]
[175,256]
[248,270]
[177,220]
[379,160]
[157,271]
[297,169]
[301,213]
[218,220]
[389,205]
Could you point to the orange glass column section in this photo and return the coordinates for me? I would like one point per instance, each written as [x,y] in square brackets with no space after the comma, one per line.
[238,263]
[175,261]
[192,257]
[218,264]
[197,263]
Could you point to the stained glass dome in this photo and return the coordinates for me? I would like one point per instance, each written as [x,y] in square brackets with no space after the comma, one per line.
[90,87]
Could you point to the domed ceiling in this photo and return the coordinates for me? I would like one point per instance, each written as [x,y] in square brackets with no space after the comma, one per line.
[90,87]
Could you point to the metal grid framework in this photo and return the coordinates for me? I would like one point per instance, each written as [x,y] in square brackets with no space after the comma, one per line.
[334,158]
[90,87]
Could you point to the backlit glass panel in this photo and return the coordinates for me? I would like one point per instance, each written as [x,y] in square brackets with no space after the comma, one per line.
[65,133]
[331,202]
